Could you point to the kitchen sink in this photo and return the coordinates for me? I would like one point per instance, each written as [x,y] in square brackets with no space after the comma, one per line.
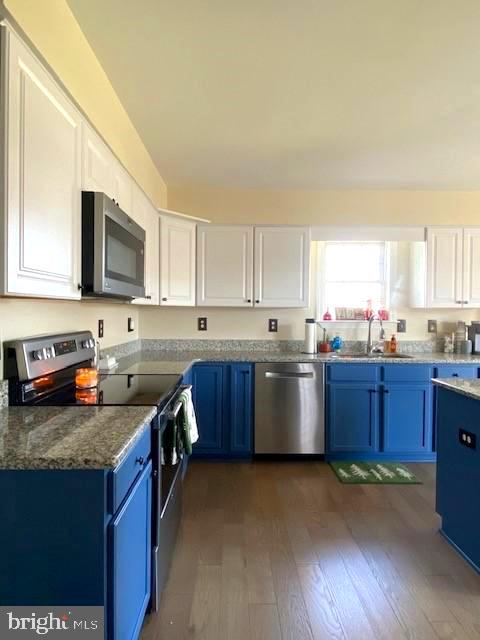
[386,356]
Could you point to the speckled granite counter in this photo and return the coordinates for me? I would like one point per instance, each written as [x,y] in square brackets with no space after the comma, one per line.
[69,437]
[160,362]
[469,388]
[3,393]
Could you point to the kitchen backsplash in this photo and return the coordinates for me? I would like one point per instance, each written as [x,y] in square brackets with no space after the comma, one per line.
[154,344]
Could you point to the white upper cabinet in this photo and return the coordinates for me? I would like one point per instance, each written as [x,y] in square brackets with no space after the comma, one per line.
[471,267]
[444,267]
[41,208]
[147,217]
[224,265]
[282,266]
[97,163]
[445,271]
[123,188]
[177,261]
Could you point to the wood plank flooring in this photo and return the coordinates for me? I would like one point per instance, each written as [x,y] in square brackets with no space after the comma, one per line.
[283,551]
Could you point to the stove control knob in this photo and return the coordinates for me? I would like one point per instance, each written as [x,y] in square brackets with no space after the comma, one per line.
[38,354]
[91,343]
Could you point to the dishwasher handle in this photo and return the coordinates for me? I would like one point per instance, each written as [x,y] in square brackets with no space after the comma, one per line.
[289,374]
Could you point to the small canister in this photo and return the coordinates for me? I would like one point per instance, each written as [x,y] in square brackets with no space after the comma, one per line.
[466,347]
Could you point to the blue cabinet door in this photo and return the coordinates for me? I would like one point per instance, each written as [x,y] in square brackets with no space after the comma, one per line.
[208,382]
[407,418]
[130,560]
[241,409]
[352,417]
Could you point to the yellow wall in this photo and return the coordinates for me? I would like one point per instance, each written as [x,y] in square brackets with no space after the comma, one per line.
[287,206]
[52,28]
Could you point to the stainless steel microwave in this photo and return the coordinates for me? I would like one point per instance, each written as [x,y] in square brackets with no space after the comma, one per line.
[113,250]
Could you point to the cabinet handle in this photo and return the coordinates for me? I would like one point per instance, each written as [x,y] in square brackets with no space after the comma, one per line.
[164,299]
[140,460]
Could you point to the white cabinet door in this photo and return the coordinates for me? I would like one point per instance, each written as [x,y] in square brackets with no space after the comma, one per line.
[177,261]
[123,188]
[42,209]
[97,163]
[282,266]
[444,267]
[471,267]
[224,265]
[147,217]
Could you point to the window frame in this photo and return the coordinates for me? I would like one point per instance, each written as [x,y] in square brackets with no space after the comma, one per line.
[321,272]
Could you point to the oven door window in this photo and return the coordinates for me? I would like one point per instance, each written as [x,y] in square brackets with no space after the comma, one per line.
[124,254]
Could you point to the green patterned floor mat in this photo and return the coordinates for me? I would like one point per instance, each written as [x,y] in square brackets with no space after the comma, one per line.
[373,473]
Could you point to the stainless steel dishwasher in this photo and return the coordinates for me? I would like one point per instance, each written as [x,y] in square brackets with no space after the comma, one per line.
[289,408]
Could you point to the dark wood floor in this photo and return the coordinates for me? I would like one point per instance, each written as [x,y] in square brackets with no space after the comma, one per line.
[283,551]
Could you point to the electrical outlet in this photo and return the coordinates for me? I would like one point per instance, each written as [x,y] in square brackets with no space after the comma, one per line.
[202,324]
[432,326]
[467,439]
[401,326]
[100,328]
[130,325]
[273,325]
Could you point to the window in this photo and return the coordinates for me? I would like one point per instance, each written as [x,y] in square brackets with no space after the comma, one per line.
[352,273]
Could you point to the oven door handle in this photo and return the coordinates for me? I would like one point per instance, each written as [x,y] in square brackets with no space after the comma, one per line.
[178,405]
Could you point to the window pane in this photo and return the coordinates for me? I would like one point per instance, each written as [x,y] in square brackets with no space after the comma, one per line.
[355,261]
[349,294]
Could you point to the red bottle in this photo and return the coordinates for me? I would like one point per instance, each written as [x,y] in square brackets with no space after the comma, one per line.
[327,315]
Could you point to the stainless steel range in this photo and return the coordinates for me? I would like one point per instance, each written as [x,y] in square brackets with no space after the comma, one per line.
[41,370]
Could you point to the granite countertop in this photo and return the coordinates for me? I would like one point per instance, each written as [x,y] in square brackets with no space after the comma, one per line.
[165,361]
[470,388]
[69,437]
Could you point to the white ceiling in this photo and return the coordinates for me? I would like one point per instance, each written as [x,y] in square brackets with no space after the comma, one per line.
[298,93]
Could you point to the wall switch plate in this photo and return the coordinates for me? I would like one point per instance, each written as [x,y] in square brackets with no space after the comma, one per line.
[467,439]
[401,326]
[100,328]
[202,324]
[273,324]
[130,325]
[432,326]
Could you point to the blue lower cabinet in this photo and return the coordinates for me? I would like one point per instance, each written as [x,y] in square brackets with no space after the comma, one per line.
[407,418]
[241,409]
[388,413]
[208,382]
[352,418]
[223,399]
[458,473]
[129,536]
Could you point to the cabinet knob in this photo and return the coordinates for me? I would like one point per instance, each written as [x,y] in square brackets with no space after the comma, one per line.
[454,375]
[465,302]
[458,301]
[372,391]
[249,300]
[140,460]
[164,299]
[148,297]
[257,301]
[386,391]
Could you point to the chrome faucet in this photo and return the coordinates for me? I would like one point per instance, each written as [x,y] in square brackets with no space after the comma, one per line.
[381,336]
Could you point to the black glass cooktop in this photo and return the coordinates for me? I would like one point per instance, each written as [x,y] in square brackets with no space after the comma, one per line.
[117,389]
